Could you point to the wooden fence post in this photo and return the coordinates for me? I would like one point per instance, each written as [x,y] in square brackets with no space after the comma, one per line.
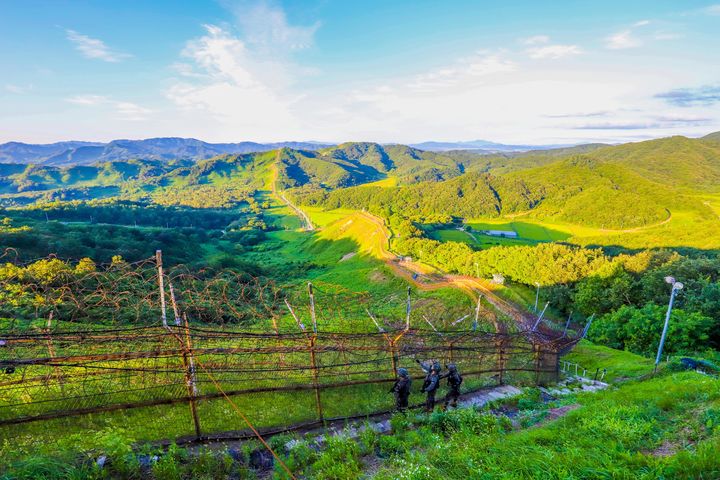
[161,285]
[500,346]
[316,384]
[190,380]
[51,351]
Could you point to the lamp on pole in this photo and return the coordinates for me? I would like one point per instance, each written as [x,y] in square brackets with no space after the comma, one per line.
[537,295]
[676,286]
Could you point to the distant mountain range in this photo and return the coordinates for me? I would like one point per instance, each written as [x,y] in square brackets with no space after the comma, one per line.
[482,146]
[171,148]
[88,153]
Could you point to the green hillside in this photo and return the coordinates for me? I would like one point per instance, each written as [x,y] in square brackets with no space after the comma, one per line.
[666,188]
[670,183]
[713,136]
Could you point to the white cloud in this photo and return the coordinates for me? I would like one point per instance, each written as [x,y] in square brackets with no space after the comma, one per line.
[539,47]
[622,40]
[267,28]
[88,99]
[124,110]
[712,9]
[535,40]
[465,69]
[633,36]
[94,48]
[230,88]
[553,51]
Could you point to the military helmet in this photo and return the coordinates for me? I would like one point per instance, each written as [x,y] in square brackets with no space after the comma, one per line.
[403,372]
[452,367]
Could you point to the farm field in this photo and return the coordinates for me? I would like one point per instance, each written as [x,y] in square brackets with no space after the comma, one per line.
[475,239]
[390,181]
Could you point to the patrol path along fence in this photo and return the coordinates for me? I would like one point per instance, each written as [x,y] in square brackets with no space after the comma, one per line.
[178,375]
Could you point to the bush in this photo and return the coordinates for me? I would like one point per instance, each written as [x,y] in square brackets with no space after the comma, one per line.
[389,445]
[300,457]
[170,465]
[339,460]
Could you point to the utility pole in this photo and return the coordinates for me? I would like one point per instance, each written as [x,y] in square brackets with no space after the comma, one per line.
[407,310]
[676,286]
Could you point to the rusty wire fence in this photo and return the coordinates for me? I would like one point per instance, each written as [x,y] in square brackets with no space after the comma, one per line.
[185,377]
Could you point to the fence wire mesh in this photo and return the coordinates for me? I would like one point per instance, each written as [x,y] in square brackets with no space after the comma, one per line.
[285,364]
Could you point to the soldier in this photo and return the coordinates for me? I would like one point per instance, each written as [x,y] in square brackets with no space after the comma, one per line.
[432,382]
[426,366]
[401,389]
[454,382]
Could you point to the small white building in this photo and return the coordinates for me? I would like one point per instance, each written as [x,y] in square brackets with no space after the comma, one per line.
[501,233]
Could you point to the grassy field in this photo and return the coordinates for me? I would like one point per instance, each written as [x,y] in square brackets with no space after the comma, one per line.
[692,228]
[476,239]
[322,218]
[390,181]
[620,365]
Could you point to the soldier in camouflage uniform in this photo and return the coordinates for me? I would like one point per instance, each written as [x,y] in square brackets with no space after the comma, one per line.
[454,382]
[401,389]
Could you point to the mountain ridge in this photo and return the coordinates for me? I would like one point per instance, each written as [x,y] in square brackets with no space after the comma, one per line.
[158,148]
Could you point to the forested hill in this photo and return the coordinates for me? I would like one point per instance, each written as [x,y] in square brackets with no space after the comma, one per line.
[329,168]
[617,187]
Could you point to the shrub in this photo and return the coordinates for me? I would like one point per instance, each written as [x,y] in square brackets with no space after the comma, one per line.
[339,461]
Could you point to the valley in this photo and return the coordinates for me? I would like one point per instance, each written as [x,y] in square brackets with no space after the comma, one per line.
[363,223]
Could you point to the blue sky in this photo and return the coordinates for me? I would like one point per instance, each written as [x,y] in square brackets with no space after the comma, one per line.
[330,70]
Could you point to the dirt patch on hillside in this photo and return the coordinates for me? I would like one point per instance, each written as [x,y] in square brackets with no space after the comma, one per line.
[378,277]
[348,256]
[666,449]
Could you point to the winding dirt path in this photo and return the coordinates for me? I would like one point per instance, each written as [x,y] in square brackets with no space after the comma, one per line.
[307,223]
[418,276]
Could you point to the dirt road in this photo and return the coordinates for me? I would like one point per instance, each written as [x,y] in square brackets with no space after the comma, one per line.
[307,224]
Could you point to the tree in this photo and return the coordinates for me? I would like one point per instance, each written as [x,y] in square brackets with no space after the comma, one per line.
[638,330]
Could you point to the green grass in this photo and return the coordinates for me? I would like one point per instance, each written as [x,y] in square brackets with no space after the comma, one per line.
[620,365]
[526,230]
[475,239]
[667,426]
[653,429]
[323,218]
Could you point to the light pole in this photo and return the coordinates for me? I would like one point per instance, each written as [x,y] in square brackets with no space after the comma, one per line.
[676,286]
[537,295]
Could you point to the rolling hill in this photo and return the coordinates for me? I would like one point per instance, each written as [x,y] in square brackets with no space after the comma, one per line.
[673,183]
[615,189]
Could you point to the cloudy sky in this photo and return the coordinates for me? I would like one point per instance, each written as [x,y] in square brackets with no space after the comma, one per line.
[338,70]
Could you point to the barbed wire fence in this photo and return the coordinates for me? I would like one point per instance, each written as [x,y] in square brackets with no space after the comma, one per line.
[166,350]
